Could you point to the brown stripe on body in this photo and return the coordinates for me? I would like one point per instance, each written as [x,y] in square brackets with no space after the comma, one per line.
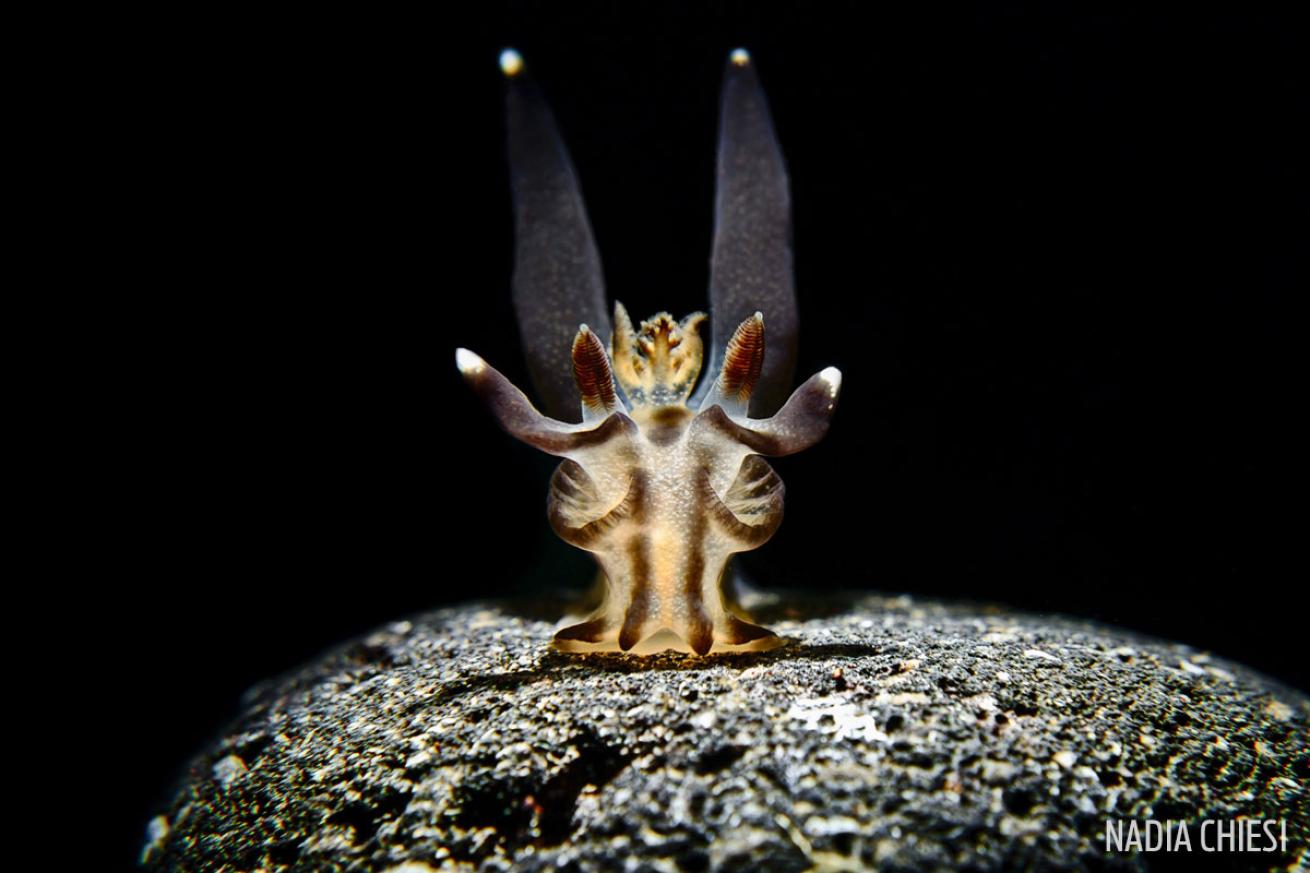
[571,481]
[616,424]
[666,425]
[740,632]
[638,554]
[560,442]
[736,631]
[588,632]
[700,631]
[749,535]
[717,419]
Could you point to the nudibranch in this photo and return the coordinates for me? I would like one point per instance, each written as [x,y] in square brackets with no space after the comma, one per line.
[662,481]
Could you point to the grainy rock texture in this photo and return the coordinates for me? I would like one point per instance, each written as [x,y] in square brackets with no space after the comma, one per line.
[887,733]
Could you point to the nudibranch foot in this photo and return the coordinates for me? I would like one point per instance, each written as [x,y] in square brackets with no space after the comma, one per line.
[600,635]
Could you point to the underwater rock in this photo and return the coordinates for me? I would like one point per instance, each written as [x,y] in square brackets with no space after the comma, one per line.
[886,732]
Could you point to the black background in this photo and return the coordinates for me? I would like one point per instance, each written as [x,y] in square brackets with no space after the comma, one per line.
[1053,256]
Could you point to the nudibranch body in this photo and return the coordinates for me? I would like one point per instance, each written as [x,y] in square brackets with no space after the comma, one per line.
[661,484]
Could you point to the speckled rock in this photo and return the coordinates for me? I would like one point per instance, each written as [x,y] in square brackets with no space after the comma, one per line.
[887,733]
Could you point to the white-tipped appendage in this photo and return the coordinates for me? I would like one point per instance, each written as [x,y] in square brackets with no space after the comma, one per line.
[469,364]
[740,57]
[511,62]
[831,377]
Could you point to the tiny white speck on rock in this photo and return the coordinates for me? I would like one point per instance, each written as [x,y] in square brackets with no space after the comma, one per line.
[1278,709]
[228,769]
[156,834]
[704,719]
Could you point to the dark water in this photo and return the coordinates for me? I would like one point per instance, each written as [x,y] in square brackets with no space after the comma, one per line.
[1052,256]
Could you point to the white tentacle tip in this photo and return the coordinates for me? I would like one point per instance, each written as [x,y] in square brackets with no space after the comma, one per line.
[740,57]
[469,364]
[511,63]
[831,377]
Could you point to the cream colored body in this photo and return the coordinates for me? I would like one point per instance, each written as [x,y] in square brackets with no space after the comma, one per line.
[662,495]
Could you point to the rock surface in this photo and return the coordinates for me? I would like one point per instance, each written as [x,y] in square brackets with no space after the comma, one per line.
[887,733]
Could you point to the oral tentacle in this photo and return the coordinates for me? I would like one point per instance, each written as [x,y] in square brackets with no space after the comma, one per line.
[516,414]
[802,421]
[657,364]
